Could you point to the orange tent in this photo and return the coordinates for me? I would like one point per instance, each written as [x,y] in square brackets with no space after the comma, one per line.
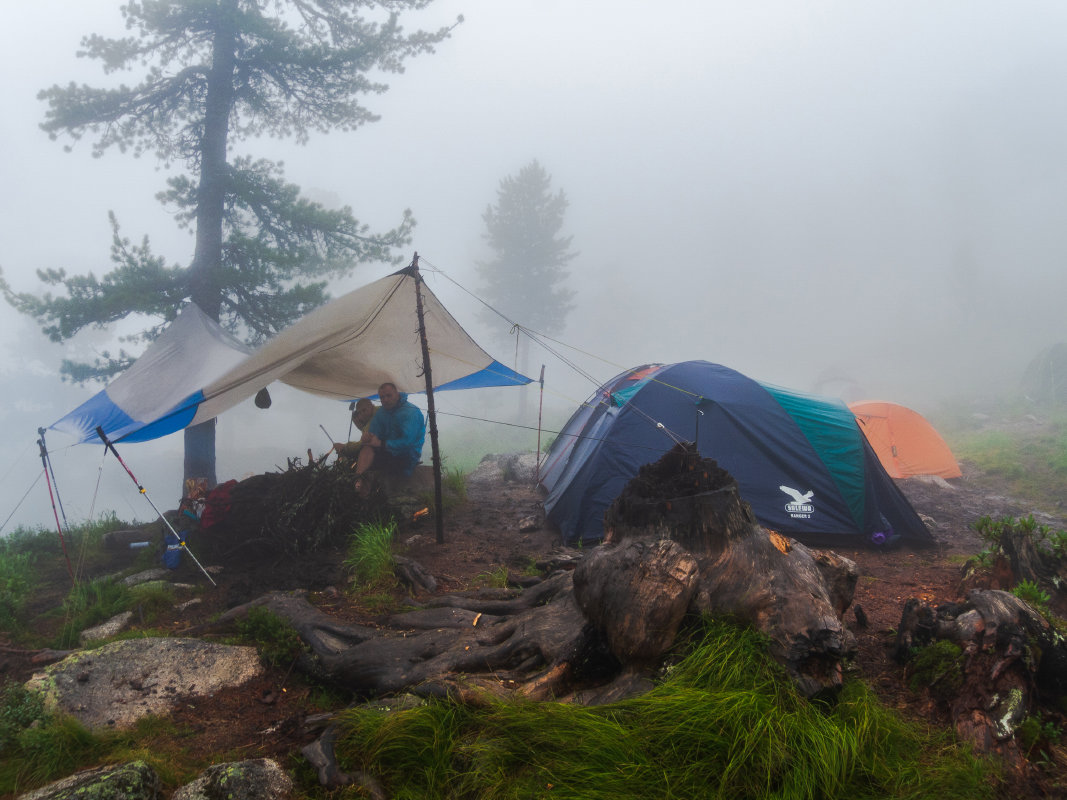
[906,444]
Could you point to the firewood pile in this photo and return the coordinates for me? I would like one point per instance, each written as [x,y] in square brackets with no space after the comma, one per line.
[286,513]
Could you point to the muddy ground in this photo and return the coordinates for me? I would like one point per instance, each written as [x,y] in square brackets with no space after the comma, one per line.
[485,536]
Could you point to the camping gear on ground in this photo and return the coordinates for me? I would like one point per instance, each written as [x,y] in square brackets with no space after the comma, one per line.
[172,548]
[800,461]
[906,443]
[109,446]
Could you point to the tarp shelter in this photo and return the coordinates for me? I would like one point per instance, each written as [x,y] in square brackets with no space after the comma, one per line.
[800,461]
[344,349]
[906,443]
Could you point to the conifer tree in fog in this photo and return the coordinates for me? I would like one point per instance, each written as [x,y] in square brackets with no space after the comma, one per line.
[526,276]
[214,73]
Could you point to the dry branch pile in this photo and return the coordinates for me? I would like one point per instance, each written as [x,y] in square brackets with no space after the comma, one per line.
[286,513]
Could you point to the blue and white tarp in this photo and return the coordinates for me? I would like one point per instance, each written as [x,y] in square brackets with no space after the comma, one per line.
[344,349]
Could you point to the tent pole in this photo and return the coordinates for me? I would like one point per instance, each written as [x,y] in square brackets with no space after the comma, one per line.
[540,406]
[109,446]
[430,412]
[59,527]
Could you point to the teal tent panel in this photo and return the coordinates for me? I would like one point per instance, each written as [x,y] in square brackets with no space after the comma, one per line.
[831,428]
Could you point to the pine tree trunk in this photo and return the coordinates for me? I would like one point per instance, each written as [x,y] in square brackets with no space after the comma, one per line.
[211,196]
[200,452]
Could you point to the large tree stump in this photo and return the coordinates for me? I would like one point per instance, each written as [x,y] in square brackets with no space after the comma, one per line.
[743,570]
[638,594]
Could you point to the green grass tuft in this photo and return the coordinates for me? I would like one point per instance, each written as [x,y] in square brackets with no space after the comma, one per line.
[90,603]
[369,560]
[725,723]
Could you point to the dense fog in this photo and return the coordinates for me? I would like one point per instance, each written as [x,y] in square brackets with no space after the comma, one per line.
[854,199]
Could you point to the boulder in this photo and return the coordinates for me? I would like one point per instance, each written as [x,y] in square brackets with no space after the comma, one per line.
[118,683]
[133,781]
[254,779]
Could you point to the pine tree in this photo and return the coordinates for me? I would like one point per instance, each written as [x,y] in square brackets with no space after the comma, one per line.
[214,73]
[524,279]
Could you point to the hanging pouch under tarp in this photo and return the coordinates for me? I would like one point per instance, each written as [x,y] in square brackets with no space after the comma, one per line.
[172,551]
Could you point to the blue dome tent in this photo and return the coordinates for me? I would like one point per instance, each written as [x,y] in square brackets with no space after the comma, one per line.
[801,462]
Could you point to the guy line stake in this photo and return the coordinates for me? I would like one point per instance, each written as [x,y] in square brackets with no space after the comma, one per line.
[109,446]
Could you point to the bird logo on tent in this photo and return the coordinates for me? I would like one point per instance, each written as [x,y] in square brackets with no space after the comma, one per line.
[801,505]
[798,498]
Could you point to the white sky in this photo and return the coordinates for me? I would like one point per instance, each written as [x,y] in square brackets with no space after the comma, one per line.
[792,189]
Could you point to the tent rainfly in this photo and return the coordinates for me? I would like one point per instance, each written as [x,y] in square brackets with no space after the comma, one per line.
[344,349]
[800,461]
[906,443]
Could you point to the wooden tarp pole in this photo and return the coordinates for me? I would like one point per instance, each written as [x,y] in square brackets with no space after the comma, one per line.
[540,405]
[431,414]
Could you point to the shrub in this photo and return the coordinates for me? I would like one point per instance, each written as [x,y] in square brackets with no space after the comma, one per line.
[937,668]
[1035,735]
[19,708]
[274,637]
[16,571]
[1032,593]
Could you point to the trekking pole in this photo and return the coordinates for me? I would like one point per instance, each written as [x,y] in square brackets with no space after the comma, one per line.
[351,418]
[52,473]
[327,435]
[109,446]
[59,527]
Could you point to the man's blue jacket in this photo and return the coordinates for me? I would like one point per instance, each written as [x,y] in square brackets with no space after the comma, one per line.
[402,431]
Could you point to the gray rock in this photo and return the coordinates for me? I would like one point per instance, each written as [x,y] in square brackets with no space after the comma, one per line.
[117,684]
[105,630]
[147,575]
[255,779]
[133,781]
[509,468]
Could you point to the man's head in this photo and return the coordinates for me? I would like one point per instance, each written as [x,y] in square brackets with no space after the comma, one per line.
[363,412]
[389,395]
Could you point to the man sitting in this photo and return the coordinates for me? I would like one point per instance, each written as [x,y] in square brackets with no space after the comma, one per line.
[361,417]
[392,442]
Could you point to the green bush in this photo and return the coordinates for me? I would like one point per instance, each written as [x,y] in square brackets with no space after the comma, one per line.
[1032,593]
[274,637]
[1035,735]
[19,708]
[16,583]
